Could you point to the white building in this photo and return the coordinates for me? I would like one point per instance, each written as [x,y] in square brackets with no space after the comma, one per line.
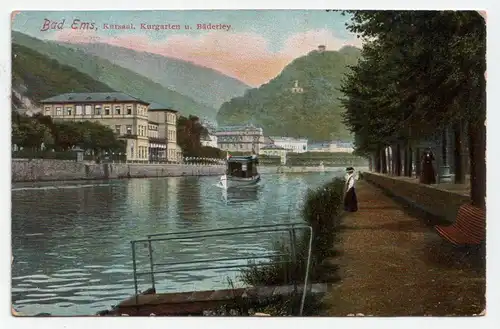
[209,140]
[295,145]
[341,147]
[332,147]
[296,89]
[246,138]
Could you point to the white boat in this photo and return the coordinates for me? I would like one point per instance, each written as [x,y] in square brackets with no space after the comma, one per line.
[241,172]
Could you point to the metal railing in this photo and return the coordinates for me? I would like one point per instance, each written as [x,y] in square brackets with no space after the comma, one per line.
[161,268]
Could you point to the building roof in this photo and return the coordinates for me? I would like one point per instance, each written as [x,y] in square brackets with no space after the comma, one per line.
[272,147]
[93,97]
[242,158]
[160,107]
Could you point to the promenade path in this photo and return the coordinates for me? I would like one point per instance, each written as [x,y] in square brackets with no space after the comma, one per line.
[393,263]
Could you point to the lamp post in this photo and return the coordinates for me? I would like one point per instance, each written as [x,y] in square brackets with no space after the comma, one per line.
[444,172]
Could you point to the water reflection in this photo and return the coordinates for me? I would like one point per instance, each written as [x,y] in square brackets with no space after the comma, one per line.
[189,206]
[241,195]
[71,242]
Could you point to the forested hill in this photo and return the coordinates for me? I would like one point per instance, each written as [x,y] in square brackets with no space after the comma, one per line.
[315,113]
[37,77]
[115,76]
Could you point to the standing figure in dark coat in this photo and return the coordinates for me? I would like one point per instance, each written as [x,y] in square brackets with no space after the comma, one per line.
[428,175]
[350,198]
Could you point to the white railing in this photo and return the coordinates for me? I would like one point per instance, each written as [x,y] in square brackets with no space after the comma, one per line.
[204,161]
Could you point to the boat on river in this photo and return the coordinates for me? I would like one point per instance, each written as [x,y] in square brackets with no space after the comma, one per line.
[241,171]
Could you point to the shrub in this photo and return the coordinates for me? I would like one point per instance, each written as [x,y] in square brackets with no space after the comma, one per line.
[322,211]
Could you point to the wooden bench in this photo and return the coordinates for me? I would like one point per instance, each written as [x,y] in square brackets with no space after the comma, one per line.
[469,227]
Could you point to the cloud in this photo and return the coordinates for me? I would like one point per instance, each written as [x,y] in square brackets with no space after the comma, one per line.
[244,56]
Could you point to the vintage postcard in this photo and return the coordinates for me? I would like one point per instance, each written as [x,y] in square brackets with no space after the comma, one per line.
[248,163]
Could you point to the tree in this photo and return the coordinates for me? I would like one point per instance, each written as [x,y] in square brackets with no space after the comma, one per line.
[189,133]
[63,136]
[421,72]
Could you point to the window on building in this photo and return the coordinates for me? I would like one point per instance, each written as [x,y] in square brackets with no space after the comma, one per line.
[88,109]
[97,110]
[47,110]
[58,110]
[69,110]
[118,129]
[129,130]
[129,110]
[241,146]
[107,110]
[79,110]
[118,110]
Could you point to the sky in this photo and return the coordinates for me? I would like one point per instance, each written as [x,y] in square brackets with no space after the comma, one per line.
[254,46]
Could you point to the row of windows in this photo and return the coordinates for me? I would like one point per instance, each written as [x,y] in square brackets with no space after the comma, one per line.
[239,138]
[128,129]
[171,153]
[292,146]
[142,152]
[171,118]
[240,146]
[142,130]
[171,135]
[96,110]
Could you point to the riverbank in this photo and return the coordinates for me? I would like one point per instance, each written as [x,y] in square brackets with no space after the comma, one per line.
[394,264]
[40,170]
[61,170]
[303,169]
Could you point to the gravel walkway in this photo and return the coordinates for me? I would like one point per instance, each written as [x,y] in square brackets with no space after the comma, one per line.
[393,263]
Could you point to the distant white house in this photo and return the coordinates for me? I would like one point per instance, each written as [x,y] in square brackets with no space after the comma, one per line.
[209,140]
[332,146]
[341,146]
[242,138]
[295,145]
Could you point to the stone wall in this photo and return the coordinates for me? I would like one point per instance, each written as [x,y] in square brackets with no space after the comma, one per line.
[437,202]
[56,170]
[302,169]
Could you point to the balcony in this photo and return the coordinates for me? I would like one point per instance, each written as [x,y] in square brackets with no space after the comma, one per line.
[157,140]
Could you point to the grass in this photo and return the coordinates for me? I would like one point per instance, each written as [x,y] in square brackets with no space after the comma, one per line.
[322,210]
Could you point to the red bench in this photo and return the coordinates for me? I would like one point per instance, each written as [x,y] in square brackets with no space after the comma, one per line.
[469,227]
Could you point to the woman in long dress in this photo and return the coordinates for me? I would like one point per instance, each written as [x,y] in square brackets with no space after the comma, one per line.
[428,175]
[350,198]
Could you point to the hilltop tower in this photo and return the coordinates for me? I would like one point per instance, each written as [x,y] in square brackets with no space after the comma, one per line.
[296,89]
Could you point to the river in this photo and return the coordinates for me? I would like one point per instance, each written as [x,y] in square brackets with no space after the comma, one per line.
[71,240]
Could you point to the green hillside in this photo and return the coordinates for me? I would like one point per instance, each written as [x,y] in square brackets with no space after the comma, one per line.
[204,85]
[316,113]
[116,77]
[41,77]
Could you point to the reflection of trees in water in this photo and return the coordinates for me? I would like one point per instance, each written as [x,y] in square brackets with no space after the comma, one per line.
[236,195]
[158,197]
[189,205]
